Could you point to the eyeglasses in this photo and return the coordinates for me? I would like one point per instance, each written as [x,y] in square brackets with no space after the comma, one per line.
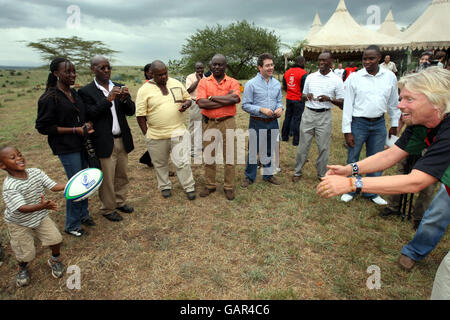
[103,68]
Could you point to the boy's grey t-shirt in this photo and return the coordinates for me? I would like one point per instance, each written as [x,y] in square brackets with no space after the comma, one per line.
[18,192]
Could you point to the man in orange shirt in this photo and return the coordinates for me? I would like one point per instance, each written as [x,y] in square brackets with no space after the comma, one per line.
[217,96]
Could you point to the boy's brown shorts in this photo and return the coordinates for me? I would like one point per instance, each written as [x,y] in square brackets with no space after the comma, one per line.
[22,238]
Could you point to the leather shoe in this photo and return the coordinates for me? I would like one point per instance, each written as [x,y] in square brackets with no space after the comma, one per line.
[229,194]
[386,212]
[246,183]
[190,195]
[273,180]
[406,262]
[126,208]
[166,193]
[113,216]
[88,222]
[296,179]
[206,192]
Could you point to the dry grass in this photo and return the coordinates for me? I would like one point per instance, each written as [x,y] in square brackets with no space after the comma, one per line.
[269,243]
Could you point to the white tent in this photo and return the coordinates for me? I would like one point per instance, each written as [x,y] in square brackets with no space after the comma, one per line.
[431,29]
[343,34]
[389,27]
[315,27]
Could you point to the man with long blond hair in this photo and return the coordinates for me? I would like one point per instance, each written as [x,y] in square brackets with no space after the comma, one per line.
[425,107]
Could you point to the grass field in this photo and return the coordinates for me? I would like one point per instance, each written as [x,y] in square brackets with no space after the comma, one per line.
[271,242]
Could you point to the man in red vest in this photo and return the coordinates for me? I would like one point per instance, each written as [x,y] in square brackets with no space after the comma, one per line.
[348,70]
[293,82]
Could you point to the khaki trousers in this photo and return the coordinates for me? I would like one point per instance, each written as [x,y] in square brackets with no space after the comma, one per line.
[212,129]
[114,188]
[195,129]
[314,124]
[22,238]
[160,150]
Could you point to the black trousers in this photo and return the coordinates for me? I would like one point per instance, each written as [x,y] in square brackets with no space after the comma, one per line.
[292,119]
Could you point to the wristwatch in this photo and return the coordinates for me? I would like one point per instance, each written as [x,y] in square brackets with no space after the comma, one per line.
[355,169]
[358,184]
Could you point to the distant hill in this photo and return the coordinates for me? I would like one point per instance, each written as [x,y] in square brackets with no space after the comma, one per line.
[16,67]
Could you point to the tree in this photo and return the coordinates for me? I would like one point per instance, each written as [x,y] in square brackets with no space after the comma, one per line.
[75,49]
[240,42]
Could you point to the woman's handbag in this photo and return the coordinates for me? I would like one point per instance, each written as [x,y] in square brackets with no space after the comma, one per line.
[92,159]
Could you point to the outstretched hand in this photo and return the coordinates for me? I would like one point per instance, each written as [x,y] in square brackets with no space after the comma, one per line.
[48,204]
[336,170]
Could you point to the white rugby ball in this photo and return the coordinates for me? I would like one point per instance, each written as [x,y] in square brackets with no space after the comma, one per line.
[83,184]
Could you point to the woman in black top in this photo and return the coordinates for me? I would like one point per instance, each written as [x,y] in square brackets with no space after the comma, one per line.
[62,117]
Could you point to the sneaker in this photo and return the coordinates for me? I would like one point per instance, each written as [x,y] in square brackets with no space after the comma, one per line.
[277,170]
[246,183]
[379,200]
[346,197]
[57,267]
[166,193]
[206,192]
[386,212]
[229,194]
[77,233]
[190,195]
[296,179]
[23,277]
[406,262]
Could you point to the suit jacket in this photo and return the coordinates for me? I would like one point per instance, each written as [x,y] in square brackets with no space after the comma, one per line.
[99,112]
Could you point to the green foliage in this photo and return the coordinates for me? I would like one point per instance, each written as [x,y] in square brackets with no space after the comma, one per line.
[240,42]
[75,49]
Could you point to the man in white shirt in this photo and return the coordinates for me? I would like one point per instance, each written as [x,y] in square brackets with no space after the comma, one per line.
[339,71]
[388,64]
[322,89]
[369,93]
[195,114]
[108,104]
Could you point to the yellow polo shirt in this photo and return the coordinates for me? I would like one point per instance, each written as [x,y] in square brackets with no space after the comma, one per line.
[163,118]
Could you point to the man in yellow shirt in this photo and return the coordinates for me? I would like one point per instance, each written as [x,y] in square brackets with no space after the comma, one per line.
[160,104]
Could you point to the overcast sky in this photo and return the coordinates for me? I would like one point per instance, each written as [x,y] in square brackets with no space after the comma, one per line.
[146,30]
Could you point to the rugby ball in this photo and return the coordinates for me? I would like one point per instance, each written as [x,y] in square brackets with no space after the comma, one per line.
[83,184]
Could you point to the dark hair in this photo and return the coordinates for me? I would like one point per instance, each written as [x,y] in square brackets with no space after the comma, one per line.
[146,69]
[51,81]
[263,57]
[426,53]
[327,52]
[375,48]
[299,60]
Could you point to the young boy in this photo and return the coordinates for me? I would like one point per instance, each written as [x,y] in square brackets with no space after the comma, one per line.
[26,213]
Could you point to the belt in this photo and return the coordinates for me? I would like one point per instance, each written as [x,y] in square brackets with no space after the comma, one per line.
[318,110]
[371,119]
[263,119]
[117,135]
[216,120]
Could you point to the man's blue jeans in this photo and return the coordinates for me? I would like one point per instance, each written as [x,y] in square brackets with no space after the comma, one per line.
[76,212]
[373,134]
[260,142]
[432,228]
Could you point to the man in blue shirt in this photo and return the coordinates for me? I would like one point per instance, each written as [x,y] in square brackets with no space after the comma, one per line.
[263,101]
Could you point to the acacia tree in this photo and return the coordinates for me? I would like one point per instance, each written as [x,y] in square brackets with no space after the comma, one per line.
[241,42]
[75,49]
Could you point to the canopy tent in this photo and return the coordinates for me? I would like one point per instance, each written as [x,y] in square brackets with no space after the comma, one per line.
[315,27]
[389,27]
[342,34]
[430,30]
